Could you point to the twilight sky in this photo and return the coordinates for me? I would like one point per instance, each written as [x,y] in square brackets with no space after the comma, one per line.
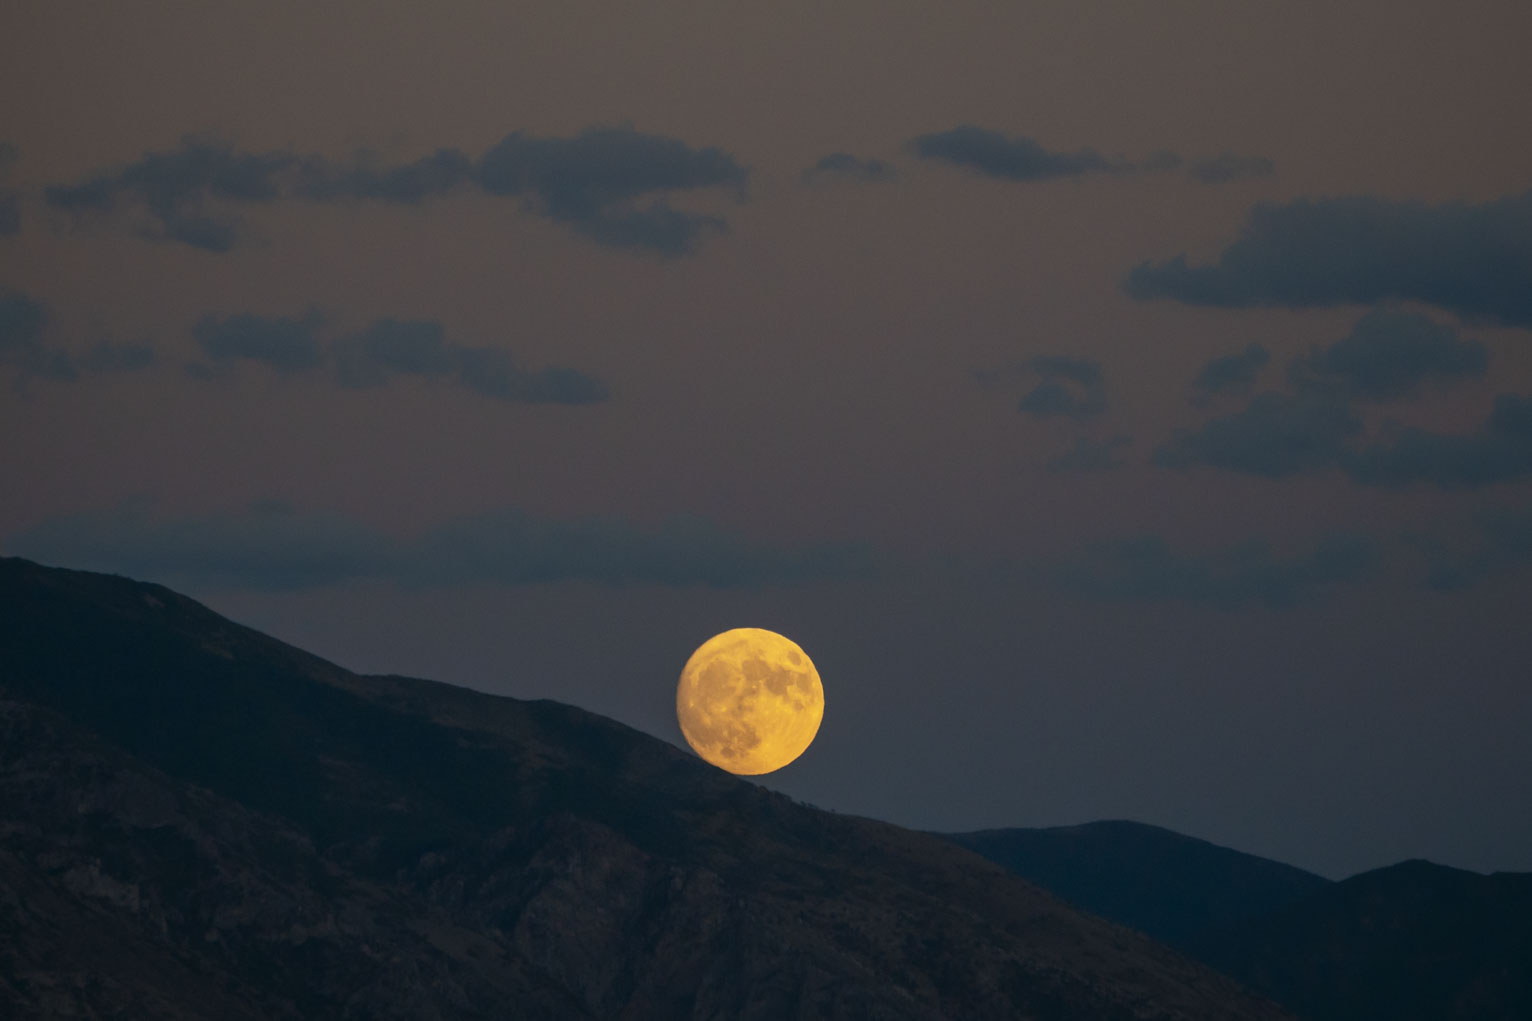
[1128,405]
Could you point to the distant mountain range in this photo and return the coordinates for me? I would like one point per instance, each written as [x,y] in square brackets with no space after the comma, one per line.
[1411,942]
[1169,886]
[197,821]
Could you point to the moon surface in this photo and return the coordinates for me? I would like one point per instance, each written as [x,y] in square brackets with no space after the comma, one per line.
[749,701]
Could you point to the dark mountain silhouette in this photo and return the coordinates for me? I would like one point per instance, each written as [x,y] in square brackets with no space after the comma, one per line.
[1412,942]
[1172,887]
[199,821]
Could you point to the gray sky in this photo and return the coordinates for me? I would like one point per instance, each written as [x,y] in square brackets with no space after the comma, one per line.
[1128,405]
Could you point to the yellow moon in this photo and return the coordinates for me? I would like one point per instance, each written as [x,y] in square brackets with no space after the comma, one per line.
[749,701]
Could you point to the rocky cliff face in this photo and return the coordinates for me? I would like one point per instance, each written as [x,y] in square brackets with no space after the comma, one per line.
[201,822]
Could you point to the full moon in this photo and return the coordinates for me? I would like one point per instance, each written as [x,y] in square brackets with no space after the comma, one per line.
[749,701]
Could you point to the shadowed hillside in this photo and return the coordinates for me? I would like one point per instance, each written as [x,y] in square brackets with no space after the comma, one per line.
[1172,887]
[1412,942]
[203,822]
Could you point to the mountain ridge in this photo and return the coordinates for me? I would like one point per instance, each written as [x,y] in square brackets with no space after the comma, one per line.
[556,860]
[1412,941]
[1168,885]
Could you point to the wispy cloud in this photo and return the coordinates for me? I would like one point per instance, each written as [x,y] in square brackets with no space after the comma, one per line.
[1070,388]
[1276,435]
[1088,454]
[1147,569]
[10,200]
[27,352]
[385,350]
[1315,426]
[1499,450]
[272,547]
[846,167]
[611,185]
[1235,373]
[1012,158]
[1389,355]
[1228,167]
[1020,158]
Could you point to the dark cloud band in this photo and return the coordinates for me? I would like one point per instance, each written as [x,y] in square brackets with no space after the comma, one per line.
[1231,373]
[1147,569]
[25,350]
[1070,388]
[385,350]
[1387,356]
[1010,158]
[1472,259]
[271,547]
[844,166]
[1228,167]
[610,185]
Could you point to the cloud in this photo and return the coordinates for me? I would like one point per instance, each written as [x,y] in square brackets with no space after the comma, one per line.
[386,349]
[392,347]
[22,319]
[10,201]
[172,188]
[1052,399]
[24,349]
[1083,371]
[1474,260]
[1159,161]
[1503,545]
[1498,451]
[1277,435]
[1013,159]
[847,167]
[1231,373]
[1089,455]
[655,228]
[1146,569]
[271,547]
[1228,166]
[286,345]
[592,182]
[201,168]
[494,373]
[1280,435]
[292,346]
[113,357]
[1388,355]
[368,177]
[608,184]
[1070,388]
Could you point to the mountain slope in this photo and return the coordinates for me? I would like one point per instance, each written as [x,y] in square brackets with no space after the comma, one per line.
[1172,887]
[1412,942]
[318,843]
[127,893]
